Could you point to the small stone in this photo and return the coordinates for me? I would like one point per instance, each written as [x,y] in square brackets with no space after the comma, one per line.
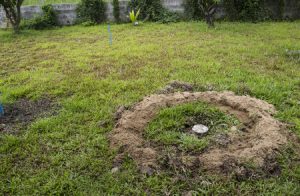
[147,170]
[234,128]
[114,170]
[200,129]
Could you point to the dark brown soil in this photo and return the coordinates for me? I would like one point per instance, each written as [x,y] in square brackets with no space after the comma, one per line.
[20,114]
[262,136]
[176,86]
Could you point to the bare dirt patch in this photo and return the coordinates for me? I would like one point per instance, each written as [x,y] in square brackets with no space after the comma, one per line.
[23,112]
[257,142]
[175,86]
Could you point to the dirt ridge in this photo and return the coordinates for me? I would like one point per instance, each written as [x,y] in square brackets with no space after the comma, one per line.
[261,138]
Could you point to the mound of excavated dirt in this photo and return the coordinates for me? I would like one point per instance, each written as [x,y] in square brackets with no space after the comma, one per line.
[260,139]
[23,112]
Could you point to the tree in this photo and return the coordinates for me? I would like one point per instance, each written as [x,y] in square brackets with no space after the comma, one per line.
[12,10]
[208,8]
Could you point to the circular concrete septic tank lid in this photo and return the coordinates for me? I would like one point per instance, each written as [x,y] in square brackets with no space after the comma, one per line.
[200,129]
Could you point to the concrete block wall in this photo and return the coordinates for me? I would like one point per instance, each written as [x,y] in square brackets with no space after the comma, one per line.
[3,20]
[174,5]
[66,13]
[123,11]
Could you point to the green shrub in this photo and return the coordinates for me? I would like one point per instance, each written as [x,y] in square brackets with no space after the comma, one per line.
[91,10]
[46,21]
[246,10]
[232,8]
[281,5]
[153,10]
[243,10]
[167,17]
[116,10]
[193,10]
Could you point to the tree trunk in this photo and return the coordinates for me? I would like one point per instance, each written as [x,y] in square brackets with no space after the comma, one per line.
[210,21]
[16,28]
[18,16]
[209,12]
[13,13]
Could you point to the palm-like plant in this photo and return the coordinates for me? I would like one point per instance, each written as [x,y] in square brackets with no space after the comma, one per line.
[134,16]
[209,7]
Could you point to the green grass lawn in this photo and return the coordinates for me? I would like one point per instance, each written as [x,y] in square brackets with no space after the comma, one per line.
[69,153]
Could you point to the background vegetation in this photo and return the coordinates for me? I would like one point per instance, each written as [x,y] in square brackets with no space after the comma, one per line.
[91,11]
[249,10]
[153,10]
[239,10]
[46,21]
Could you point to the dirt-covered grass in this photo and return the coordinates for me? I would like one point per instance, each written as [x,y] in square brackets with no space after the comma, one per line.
[68,152]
